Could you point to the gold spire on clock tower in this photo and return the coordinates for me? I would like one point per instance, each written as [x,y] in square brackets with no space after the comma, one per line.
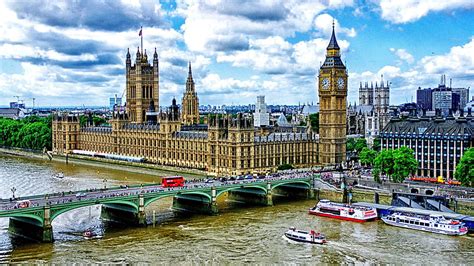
[332,91]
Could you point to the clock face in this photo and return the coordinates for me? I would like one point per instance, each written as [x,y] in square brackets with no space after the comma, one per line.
[326,83]
[340,83]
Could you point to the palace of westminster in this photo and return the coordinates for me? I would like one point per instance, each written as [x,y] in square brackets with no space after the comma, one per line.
[235,145]
[225,145]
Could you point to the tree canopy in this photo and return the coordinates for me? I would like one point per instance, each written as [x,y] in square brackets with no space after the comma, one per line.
[465,168]
[31,133]
[285,167]
[356,144]
[367,156]
[376,145]
[404,164]
[397,164]
[314,122]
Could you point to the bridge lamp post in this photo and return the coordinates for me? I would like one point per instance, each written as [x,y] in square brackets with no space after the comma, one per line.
[105,183]
[13,190]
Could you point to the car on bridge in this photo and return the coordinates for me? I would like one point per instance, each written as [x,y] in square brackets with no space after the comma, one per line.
[81,194]
[23,204]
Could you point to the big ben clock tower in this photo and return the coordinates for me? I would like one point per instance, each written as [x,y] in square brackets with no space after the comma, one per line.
[332,91]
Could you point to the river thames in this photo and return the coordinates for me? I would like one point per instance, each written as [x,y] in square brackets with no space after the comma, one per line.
[238,234]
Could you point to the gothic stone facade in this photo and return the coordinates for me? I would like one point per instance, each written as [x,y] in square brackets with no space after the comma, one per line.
[228,146]
[225,145]
[142,86]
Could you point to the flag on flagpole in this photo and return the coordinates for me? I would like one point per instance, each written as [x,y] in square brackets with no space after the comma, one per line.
[140,33]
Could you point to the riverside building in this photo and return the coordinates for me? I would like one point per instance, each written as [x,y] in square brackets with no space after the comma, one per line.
[225,145]
[438,143]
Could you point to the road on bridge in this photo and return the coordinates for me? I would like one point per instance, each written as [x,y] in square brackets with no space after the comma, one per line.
[96,194]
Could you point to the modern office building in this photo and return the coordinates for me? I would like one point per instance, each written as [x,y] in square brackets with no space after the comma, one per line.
[438,143]
[261,117]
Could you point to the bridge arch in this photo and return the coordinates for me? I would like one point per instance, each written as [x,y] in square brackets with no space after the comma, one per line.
[58,210]
[150,200]
[414,190]
[240,187]
[31,216]
[305,183]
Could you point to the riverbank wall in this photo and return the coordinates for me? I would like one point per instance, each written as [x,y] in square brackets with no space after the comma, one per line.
[357,196]
[103,162]
[465,207]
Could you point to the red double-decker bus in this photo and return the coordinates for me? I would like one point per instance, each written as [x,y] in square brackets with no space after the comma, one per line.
[172,181]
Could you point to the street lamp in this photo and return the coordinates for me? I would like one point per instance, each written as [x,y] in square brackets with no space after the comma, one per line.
[343,183]
[13,190]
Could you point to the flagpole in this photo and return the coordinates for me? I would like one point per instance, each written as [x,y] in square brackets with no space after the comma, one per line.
[141,31]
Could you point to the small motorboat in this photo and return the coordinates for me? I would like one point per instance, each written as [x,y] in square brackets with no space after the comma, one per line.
[311,237]
[59,175]
[89,234]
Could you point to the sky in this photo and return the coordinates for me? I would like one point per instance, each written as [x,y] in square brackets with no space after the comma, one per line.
[72,53]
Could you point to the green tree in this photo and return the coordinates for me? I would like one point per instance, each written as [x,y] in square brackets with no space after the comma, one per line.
[404,164]
[383,164]
[350,144]
[97,120]
[31,133]
[360,144]
[83,120]
[376,145]
[314,122]
[367,156]
[285,166]
[465,168]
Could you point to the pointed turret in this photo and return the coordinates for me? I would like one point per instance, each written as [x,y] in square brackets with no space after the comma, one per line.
[333,42]
[145,57]
[190,106]
[128,61]
[138,54]
[190,81]
[333,57]
[155,55]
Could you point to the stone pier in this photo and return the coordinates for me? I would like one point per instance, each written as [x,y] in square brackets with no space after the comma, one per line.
[33,229]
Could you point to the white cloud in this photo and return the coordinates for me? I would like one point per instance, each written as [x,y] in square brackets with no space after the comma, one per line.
[459,62]
[404,11]
[323,23]
[403,55]
[230,26]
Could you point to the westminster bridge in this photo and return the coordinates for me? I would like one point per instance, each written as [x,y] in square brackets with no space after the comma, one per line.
[32,216]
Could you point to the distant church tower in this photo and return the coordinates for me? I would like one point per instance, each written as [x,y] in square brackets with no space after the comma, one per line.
[333,104]
[142,86]
[190,107]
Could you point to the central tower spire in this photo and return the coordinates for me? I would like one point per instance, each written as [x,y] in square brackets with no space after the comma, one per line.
[190,106]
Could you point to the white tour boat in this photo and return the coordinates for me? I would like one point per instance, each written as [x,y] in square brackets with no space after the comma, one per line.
[346,212]
[304,236]
[432,223]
